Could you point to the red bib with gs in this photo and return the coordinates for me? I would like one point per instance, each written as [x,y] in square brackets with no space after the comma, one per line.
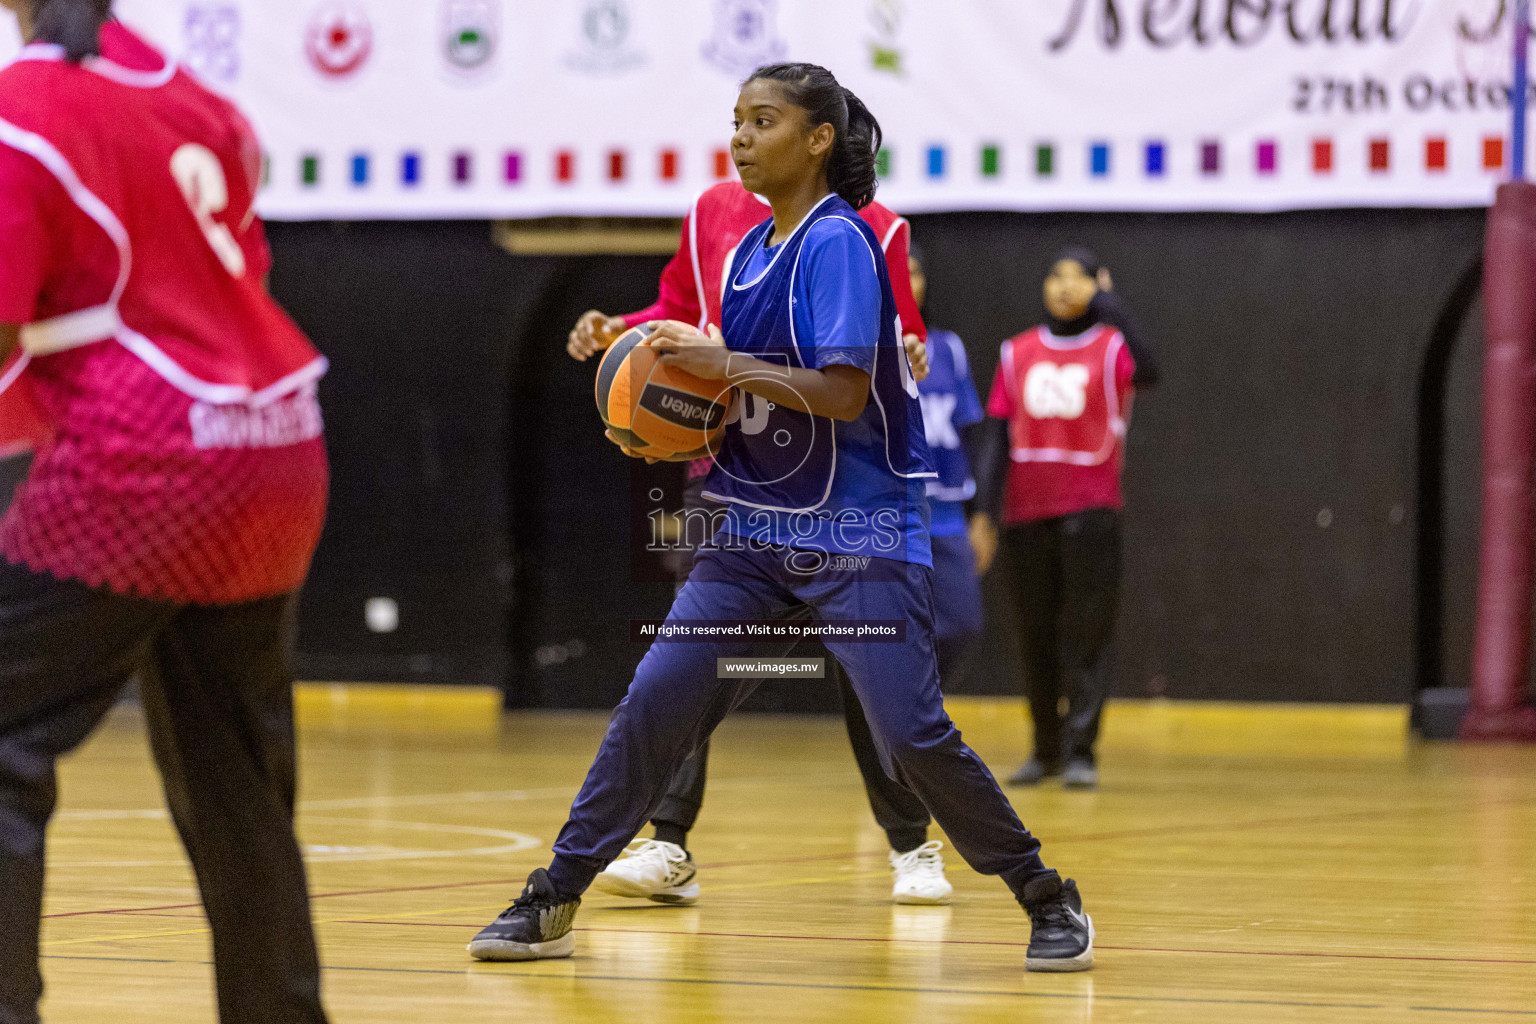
[1067,403]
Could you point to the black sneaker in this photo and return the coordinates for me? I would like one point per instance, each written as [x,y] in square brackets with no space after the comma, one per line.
[1061,938]
[1033,772]
[535,927]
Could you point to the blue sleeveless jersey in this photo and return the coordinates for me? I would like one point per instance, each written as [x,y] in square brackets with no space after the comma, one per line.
[820,298]
[950,403]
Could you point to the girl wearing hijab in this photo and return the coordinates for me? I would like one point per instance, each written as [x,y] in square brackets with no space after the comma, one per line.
[1059,408]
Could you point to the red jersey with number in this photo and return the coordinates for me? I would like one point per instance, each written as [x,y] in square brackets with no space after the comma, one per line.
[693,281]
[1067,402]
[184,459]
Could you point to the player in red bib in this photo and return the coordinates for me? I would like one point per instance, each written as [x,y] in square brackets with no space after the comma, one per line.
[170,514]
[1064,391]
[662,869]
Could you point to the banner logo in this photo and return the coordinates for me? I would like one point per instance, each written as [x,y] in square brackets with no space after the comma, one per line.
[212,33]
[885,48]
[745,37]
[605,38]
[339,40]
[471,33]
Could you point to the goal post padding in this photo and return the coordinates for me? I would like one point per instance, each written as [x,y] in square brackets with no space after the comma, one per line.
[1507,550]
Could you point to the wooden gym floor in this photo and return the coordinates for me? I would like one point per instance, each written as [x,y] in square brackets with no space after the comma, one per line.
[1242,864]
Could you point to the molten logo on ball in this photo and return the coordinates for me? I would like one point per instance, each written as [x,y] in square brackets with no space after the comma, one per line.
[684,408]
[657,410]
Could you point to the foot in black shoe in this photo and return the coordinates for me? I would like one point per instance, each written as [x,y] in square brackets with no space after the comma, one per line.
[1033,772]
[535,927]
[1061,939]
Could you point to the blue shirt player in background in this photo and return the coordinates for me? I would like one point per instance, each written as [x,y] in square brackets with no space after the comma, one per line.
[951,408]
[822,474]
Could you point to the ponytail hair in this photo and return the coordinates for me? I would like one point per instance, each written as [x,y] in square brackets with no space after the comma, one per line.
[73,24]
[856,133]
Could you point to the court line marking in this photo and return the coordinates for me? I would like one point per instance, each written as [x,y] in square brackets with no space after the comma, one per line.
[312,896]
[858,988]
[565,979]
[387,918]
[967,942]
[434,799]
[1453,1009]
[519,842]
[381,918]
[854,854]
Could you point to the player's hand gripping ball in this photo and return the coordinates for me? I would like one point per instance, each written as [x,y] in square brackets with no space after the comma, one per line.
[656,411]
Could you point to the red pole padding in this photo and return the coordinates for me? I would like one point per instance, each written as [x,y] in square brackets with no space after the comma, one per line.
[1501,660]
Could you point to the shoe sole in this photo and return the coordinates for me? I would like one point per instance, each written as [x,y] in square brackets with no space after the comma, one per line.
[617,885]
[1064,965]
[501,949]
[1070,784]
[1014,780]
[907,899]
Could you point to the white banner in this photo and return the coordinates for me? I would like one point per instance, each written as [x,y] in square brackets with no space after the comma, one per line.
[516,108]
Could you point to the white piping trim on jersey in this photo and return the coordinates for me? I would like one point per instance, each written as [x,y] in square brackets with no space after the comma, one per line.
[1083,340]
[754,282]
[1010,375]
[693,252]
[885,246]
[874,368]
[39,51]
[725,276]
[150,354]
[107,69]
[1117,426]
[1117,422]
[305,375]
[127,76]
[795,348]
[44,152]
[14,372]
[218,394]
[712,496]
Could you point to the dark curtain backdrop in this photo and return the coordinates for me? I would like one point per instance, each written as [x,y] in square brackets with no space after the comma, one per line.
[1271,521]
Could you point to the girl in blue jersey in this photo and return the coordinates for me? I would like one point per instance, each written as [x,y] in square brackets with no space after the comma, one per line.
[822,474]
[951,413]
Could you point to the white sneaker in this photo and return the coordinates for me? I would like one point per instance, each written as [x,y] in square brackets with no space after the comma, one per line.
[653,870]
[920,876]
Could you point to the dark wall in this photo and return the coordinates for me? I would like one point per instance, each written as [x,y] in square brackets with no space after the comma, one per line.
[1270,479]
[416,320]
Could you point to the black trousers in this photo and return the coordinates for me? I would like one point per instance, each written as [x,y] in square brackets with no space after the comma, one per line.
[218,700]
[896,808]
[1064,580]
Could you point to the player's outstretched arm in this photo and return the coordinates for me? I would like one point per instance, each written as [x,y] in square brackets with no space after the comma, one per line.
[593,332]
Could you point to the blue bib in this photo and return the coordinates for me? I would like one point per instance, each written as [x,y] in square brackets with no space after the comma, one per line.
[820,298]
[950,404]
